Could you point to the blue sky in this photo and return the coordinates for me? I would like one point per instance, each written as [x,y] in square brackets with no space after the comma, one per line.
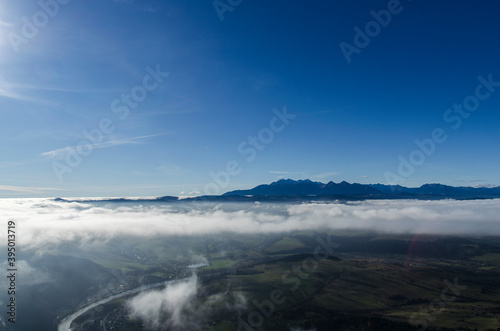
[199,88]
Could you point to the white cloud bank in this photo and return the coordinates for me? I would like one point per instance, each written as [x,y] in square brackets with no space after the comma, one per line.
[179,305]
[172,301]
[42,222]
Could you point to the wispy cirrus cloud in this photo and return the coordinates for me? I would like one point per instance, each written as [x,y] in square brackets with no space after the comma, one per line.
[62,152]
[9,164]
[26,98]
[33,87]
[25,189]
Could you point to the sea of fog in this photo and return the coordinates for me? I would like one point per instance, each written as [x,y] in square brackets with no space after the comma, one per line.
[48,230]
[48,223]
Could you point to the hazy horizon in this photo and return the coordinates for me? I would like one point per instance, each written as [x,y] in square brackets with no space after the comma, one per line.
[199,194]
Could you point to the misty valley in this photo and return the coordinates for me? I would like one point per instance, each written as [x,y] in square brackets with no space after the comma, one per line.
[138,265]
[249,165]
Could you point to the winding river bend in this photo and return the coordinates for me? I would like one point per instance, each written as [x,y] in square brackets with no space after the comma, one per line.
[66,322]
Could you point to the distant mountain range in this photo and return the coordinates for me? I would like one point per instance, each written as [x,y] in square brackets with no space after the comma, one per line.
[307,190]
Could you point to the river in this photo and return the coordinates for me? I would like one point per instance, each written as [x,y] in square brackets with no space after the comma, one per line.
[66,322]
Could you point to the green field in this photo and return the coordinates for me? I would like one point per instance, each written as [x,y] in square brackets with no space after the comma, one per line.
[285,244]
[370,282]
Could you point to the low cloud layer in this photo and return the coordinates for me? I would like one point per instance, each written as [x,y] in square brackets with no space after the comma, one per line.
[183,305]
[44,222]
[165,307]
